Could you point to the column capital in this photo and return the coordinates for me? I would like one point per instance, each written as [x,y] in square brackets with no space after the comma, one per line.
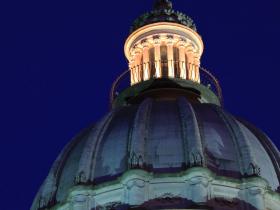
[156,40]
[170,40]
[182,42]
[145,43]
[137,50]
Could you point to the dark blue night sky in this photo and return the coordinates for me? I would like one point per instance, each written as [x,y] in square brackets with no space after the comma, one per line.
[59,59]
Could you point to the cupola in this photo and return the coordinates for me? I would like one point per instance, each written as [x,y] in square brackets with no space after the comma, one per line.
[165,46]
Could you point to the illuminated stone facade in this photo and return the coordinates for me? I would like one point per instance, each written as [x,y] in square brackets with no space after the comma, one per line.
[167,142]
[164,50]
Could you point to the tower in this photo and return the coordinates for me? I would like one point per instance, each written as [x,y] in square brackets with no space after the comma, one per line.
[167,142]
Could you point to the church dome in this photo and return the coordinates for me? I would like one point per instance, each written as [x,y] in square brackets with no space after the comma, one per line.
[167,142]
[161,137]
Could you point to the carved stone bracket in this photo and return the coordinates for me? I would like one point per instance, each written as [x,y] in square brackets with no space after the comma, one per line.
[253,170]
[196,159]
[135,183]
[80,178]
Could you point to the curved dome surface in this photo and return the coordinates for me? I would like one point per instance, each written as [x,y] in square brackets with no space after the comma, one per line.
[161,136]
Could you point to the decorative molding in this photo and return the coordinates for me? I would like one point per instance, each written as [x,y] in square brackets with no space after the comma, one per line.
[135,183]
[138,186]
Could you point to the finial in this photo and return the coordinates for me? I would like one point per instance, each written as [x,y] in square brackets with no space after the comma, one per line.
[162,4]
[162,12]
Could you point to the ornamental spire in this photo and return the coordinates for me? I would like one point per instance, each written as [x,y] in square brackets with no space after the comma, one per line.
[162,12]
[162,5]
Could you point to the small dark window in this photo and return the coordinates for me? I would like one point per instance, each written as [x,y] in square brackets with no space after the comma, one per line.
[164,63]
[152,61]
[176,62]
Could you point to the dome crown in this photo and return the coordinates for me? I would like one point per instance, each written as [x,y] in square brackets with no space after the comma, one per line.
[162,4]
[163,12]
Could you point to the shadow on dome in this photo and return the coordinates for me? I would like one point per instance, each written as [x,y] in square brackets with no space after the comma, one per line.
[169,202]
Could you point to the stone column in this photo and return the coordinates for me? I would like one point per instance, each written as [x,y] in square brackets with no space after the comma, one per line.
[132,66]
[132,69]
[182,59]
[192,67]
[170,56]
[146,60]
[137,66]
[190,56]
[196,70]
[156,40]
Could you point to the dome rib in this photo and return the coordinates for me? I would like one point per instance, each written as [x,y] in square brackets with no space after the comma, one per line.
[87,162]
[139,135]
[48,191]
[191,135]
[248,165]
[99,137]
[268,146]
[111,158]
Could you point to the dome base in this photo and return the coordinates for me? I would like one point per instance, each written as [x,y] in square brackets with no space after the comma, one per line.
[175,87]
[140,189]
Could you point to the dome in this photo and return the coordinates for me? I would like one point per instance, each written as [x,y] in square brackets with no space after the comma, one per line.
[167,142]
[161,136]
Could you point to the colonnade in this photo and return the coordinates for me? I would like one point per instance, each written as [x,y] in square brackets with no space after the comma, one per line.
[164,55]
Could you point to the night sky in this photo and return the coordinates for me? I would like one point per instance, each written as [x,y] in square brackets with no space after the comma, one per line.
[59,59]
